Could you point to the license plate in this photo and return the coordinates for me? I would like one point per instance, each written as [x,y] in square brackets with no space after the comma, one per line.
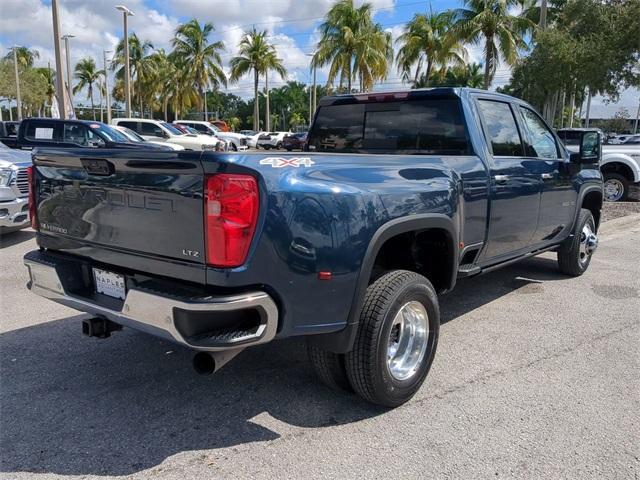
[109,283]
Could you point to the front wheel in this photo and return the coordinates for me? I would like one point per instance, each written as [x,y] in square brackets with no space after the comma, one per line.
[396,340]
[616,187]
[575,254]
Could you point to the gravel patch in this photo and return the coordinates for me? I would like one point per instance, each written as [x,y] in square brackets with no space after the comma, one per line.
[611,210]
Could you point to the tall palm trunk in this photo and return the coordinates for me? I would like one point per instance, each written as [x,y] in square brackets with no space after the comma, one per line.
[429,67]
[93,110]
[256,107]
[349,77]
[487,62]
[267,118]
[572,106]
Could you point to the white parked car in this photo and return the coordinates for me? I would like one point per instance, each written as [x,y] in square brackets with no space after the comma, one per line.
[270,140]
[134,137]
[159,131]
[236,141]
[14,189]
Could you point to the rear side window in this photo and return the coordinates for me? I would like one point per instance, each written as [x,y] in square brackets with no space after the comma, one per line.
[12,129]
[430,127]
[501,128]
[150,129]
[41,131]
[130,125]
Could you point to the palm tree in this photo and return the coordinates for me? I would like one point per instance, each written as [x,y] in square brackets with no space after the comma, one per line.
[25,56]
[353,45]
[87,74]
[502,32]
[142,68]
[48,75]
[455,76]
[428,38]
[271,62]
[202,58]
[257,55]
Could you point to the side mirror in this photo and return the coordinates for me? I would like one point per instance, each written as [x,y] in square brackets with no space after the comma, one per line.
[590,148]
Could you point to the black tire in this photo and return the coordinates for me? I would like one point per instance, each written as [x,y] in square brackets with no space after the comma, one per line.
[366,364]
[234,147]
[621,181]
[329,367]
[279,145]
[571,259]
[289,149]
[267,147]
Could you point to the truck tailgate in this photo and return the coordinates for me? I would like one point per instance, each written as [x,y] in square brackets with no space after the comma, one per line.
[123,201]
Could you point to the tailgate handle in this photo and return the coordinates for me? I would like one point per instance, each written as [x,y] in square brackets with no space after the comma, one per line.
[98,166]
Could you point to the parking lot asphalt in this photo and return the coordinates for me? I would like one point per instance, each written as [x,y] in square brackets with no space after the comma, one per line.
[537,375]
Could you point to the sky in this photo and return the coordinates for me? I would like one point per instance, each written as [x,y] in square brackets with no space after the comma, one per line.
[291,24]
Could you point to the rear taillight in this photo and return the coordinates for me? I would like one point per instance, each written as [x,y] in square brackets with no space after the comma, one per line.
[231,213]
[31,171]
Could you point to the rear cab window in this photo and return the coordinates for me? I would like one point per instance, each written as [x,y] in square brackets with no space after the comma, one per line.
[501,128]
[427,126]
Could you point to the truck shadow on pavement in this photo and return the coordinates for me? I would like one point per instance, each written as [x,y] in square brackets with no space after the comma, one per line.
[10,239]
[79,406]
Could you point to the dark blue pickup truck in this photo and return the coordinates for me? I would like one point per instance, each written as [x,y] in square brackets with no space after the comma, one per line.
[349,243]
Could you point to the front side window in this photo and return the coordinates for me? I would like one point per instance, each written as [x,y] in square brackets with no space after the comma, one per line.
[432,126]
[542,142]
[79,134]
[502,128]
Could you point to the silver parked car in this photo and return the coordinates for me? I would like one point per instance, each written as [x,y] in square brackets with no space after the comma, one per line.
[14,189]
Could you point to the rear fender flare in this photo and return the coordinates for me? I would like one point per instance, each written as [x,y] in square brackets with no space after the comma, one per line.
[342,341]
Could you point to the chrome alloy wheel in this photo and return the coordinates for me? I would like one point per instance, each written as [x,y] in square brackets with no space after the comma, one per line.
[613,190]
[408,340]
[588,243]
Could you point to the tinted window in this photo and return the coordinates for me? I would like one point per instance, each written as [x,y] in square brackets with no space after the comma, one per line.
[41,131]
[569,137]
[431,126]
[150,129]
[501,128]
[200,128]
[12,129]
[543,144]
[131,125]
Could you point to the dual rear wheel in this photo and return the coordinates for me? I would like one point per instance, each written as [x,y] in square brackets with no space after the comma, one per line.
[395,344]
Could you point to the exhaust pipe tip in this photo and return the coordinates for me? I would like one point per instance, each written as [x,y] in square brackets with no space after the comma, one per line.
[204,363]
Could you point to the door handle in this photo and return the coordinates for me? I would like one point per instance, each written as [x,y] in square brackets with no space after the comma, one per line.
[501,179]
[547,176]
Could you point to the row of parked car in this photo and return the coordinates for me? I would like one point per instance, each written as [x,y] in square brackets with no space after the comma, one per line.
[178,135]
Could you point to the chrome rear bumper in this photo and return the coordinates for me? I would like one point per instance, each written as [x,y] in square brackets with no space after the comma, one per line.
[156,314]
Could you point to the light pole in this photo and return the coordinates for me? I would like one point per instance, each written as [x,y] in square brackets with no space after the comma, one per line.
[106,84]
[56,46]
[66,39]
[15,67]
[127,89]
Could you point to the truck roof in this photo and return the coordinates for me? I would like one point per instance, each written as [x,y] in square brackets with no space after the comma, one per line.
[409,93]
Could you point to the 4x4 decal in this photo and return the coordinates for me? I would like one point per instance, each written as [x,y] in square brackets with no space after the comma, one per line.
[281,162]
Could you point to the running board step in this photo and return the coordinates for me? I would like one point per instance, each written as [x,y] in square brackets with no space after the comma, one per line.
[468,270]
